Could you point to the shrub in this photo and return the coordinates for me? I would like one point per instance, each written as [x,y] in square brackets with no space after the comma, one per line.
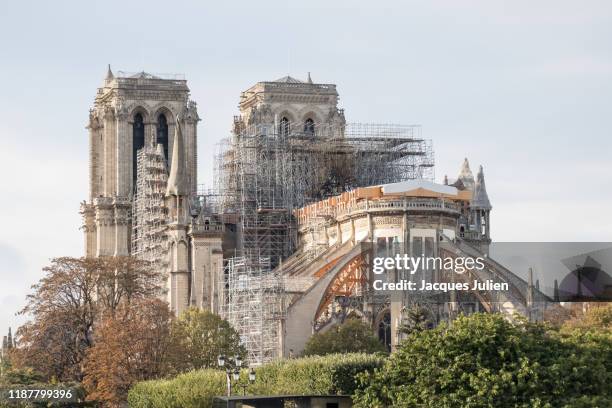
[189,390]
[486,361]
[353,336]
[331,374]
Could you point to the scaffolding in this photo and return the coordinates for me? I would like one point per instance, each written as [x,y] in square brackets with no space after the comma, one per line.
[264,173]
[149,241]
[253,305]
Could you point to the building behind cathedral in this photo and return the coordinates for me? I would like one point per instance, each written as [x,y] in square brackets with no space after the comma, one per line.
[274,247]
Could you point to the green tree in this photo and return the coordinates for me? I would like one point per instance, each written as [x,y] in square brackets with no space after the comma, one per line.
[417,319]
[353,336]
[484,360]
[198,337]
[596,317]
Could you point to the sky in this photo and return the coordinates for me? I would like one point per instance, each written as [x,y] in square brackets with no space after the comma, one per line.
[522,87]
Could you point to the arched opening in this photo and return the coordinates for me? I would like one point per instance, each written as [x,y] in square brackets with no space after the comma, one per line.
[384,329]
[309,127]
[138,141]
[284,126]
[162,133]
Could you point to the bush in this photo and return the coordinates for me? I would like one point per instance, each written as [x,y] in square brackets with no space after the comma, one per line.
[332,374]
[192,389]
[486,361]
[353,336]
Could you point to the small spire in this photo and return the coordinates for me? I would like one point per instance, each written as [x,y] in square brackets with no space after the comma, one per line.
[556,291]
[530,288]
[480,199]
[466,176]
[177,181]
[309,80]
[10,339]
[109,73]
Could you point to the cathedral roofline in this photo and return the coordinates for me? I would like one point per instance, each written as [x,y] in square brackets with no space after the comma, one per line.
[289,80]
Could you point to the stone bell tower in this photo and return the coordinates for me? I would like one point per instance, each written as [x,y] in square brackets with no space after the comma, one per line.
[292,106]
[131,111]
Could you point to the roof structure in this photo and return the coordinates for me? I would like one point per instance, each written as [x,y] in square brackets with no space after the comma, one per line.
[419,184]
[289,80]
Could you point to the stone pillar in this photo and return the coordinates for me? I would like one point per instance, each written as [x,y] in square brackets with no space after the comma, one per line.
[123,148]
[178,295]
[207,267]
[105,228]
[121,207]
[171,130]
[190,120]
[150,131]
[94,155]
[110,153]
[190,126]
[89,229]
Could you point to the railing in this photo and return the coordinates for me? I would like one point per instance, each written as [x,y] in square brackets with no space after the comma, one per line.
[382,205]
[299,85]
[149,75]
[208,227]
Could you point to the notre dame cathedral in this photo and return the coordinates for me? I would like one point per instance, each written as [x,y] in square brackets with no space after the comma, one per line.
[277,249]
[143,174]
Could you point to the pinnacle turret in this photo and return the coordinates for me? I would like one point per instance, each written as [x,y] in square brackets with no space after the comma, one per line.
[465,175]
[109,73]
[177,181]
[480,198]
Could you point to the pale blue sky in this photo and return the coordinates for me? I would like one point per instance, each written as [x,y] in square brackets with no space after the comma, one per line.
[522,87]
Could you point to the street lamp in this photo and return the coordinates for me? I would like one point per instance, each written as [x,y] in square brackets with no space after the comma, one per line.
[232,372]
[252,375]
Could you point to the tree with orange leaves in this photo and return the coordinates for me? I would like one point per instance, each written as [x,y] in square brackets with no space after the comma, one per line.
[130,345]
[65,307]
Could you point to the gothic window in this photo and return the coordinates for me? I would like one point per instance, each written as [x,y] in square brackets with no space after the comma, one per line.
[138,131]
[284,127]
[309,127]
[162,133]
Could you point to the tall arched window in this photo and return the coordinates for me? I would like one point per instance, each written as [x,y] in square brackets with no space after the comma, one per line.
[138,142]
[309,127]
[284,127]
[162,133]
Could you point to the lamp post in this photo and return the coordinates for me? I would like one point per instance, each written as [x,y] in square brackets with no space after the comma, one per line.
[232,372]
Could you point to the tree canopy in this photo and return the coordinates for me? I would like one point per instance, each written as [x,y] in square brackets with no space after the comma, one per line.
[487,361]
[130,345]
[66,304]
[353,336]
[199,337]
